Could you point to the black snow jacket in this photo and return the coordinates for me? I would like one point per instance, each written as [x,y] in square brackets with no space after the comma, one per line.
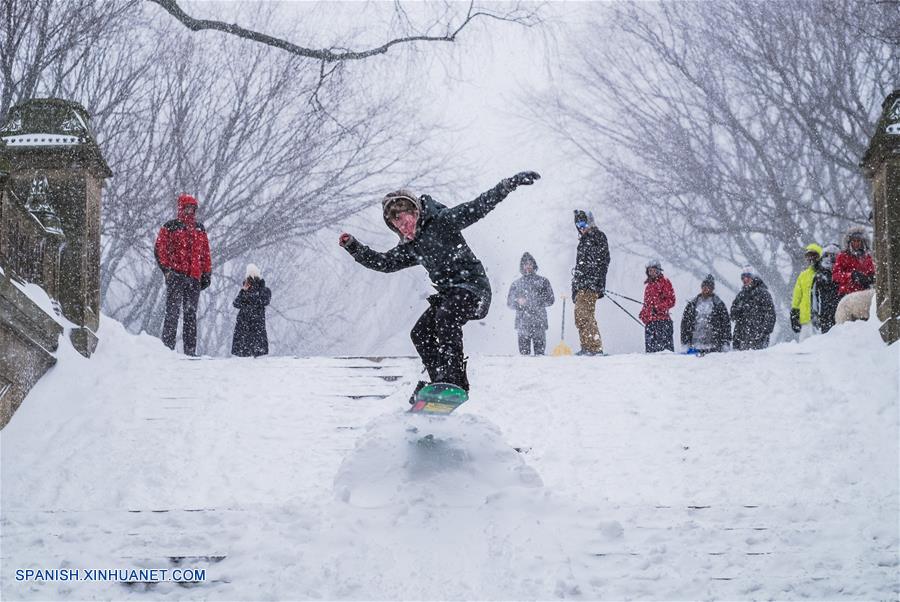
[440,248]
[753,314]
[719,323]
[591,262]
[531,318]
[825,298]
[250,337]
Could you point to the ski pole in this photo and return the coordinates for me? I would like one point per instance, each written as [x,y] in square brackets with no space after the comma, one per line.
[609,292]
[626,311]
[563,333]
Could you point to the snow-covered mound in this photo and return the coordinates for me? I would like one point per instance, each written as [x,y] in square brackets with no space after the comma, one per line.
[457,460]
[770,474]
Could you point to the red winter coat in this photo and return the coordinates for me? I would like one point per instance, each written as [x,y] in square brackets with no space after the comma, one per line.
[844,266]
[659,298]
[182,244]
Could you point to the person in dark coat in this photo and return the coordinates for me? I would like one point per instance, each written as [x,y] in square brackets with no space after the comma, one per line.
[250,337]
[431,236]
[530,296]
[659,298]
[589,281]
[705,325]
[752,312]
[182,253]
[825,295]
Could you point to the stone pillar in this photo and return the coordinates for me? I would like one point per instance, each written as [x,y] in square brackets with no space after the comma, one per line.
[881,166]
[55,163]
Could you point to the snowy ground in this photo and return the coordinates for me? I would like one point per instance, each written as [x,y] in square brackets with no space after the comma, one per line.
[740,476]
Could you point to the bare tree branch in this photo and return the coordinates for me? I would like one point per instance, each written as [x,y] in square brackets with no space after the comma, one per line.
[522,17]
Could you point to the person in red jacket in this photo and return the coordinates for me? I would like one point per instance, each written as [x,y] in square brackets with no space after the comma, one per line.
[182,253]
[854,269]
[659,298]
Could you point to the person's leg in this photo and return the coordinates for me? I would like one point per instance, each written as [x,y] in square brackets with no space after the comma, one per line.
[174,293]
[668,335]
[524,343]
[424,339]
[191,299]
[455,309]
[586,322]
[540,342]
[648,338]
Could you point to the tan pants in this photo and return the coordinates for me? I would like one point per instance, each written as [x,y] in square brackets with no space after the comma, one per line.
[586,323]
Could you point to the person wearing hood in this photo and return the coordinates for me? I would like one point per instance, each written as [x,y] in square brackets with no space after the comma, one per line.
[182,253]
[705,327]
[530,296]
[659,298]
[802,300]
[825,295]
[250,336]
[752,312]
[431,236]
[589,281]
[854,269]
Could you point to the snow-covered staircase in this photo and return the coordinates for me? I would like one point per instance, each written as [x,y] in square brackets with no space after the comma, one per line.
[755,475]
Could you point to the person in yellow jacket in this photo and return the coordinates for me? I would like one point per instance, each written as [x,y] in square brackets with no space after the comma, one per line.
[801,304]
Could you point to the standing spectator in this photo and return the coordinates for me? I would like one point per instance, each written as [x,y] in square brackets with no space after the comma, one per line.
[752,312]
[182,253]
[659,298]
[705,326]
[825,290]
[802,301]
[250,336]
[589,281]
[530,296]
[854,269]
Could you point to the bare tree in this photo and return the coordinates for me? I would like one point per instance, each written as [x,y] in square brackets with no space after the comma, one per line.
[727,136]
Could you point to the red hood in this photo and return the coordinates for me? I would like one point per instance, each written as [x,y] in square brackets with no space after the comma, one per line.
[183,201]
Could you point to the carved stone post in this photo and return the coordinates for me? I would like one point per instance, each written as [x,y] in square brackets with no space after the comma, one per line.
[56,166]
[881,166]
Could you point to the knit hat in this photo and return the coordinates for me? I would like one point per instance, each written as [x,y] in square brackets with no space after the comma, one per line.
[709,281]
[654,263]
[253,271]
[831,248]
[749,271]
[859,233]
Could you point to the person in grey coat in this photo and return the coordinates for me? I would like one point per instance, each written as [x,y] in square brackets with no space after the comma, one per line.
[530,296]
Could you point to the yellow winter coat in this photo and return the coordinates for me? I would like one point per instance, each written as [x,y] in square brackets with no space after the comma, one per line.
[803,289]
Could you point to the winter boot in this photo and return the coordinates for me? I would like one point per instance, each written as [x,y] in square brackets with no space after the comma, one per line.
[419,386]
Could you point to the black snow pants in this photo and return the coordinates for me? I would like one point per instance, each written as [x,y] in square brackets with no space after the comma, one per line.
[438,335]
[182,292]
[527,339]
[658,336]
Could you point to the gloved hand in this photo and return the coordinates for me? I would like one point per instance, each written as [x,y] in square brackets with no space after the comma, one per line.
[523,178]
[861,279]
[205,281]
[345,240]
[795,320]
[601,293]
[167,276]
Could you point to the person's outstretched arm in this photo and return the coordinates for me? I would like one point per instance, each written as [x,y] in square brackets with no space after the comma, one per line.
[390,261]
[466,214]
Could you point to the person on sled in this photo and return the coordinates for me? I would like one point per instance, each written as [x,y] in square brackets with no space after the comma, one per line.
[431,236]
